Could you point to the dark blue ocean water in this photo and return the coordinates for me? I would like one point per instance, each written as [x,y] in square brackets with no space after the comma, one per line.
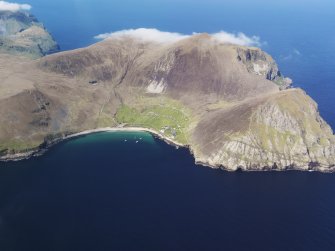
[99,192]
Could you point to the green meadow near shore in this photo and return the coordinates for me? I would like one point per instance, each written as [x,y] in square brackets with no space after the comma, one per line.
[18,145]
[163,115]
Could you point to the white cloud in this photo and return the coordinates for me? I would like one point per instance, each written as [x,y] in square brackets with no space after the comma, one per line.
[14,7]
[239,38]
[144,34]
[154,35]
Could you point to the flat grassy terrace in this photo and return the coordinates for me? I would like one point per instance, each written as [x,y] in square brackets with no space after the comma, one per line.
[163,115]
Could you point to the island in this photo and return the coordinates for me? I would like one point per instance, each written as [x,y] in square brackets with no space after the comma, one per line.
[229,104]
[22,34]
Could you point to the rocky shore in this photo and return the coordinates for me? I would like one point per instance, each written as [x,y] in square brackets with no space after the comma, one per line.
[44,148]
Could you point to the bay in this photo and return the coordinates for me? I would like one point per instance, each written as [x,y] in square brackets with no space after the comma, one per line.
[106,192]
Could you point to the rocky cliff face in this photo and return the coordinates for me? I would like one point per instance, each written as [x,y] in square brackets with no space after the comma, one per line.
[260,63]
[21,33]
[229,104]
[281,131]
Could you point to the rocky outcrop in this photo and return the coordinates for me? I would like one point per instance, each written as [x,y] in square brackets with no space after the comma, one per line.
[260,63]
[21,33]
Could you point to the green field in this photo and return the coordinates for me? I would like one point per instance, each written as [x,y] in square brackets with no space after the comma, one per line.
[163,115]
[18,146]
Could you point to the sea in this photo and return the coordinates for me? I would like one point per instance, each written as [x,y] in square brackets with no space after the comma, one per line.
[130,191]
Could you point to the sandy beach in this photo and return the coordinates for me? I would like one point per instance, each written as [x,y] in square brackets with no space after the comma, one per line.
[127,129]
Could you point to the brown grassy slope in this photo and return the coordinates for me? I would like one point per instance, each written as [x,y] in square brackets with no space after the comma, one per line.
[196,66]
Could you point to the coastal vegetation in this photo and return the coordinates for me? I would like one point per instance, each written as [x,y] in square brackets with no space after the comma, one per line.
[164,115]
[17,145]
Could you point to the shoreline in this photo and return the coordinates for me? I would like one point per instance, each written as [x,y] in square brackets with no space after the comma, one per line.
[44,147]
[127,129]
[47,145]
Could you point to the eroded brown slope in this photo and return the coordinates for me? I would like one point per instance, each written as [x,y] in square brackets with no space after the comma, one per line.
[196,65]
